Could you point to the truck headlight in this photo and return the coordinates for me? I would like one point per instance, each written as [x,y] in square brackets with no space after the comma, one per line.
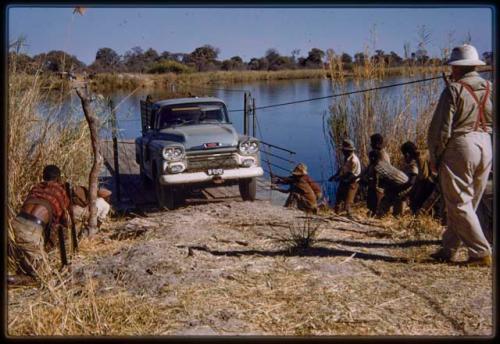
[173,153]
[248,147]
[248,162]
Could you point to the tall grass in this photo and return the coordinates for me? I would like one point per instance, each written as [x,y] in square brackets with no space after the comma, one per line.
[103,82]
[41,132]
[398,116]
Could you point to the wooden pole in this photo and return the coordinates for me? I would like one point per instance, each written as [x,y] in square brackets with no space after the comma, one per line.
[245,117]
[116,159]
[254,120]
[93,123]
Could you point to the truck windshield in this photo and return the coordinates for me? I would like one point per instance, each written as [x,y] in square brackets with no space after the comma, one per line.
[196,113]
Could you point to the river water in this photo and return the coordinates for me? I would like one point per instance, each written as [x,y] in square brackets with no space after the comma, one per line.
[297,127]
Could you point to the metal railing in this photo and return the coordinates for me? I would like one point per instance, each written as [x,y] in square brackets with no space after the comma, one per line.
[267,167]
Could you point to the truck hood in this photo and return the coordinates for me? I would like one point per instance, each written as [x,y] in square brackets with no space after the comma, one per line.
[195,136]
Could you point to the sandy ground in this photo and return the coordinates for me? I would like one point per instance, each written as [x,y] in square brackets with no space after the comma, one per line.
[227,269]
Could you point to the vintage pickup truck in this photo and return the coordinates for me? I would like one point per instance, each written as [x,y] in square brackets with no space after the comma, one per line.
[191,143]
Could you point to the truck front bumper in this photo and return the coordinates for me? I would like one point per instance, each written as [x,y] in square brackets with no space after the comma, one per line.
[200,177]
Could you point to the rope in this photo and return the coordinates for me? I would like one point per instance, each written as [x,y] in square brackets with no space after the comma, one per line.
[324,97]
[348,93]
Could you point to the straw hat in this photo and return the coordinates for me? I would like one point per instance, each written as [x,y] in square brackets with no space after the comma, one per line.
[465,55]
[300,170]
[348,145]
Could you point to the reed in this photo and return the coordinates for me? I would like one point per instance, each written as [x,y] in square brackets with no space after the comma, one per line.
[398,116]
[41,132]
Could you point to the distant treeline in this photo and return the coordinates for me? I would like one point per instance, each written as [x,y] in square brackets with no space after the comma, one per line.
[205,58]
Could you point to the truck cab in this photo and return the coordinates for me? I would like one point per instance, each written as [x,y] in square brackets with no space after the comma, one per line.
[190,142]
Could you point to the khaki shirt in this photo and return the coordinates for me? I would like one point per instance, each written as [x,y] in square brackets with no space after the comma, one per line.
[385,155]
[352,165]
[456,113]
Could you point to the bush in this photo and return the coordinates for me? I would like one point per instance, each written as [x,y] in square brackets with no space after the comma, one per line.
[301,236]
[169,67]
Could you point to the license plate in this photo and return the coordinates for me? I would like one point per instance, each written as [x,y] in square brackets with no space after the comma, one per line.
[215,171]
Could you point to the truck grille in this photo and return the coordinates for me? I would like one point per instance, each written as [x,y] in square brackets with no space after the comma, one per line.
[197,163]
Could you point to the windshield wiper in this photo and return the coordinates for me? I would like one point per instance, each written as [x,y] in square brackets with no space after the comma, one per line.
[184,122]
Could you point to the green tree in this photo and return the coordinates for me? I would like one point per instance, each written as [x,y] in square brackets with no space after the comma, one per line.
[134,60]
[234,63]
[59,61]
[315,58]
[359,58]
[106,60]
[346,58]
[395,59]
[203,58]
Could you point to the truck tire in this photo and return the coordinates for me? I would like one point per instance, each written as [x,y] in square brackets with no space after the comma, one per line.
[144,178]
[165,195]
[248,189]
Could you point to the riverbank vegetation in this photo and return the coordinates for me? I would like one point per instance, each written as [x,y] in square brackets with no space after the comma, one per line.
[398,116]
[41,131]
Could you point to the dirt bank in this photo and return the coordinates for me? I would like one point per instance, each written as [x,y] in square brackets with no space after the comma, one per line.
[225,269]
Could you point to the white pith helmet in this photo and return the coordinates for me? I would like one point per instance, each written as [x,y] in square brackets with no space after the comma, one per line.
[465,55]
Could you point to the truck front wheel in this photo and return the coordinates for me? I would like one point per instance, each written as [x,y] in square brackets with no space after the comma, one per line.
[144,178]
[248,189]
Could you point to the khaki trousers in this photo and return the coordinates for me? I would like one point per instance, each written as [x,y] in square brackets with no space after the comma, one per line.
[29,245]
[346,193]
[82,213]
[463,174]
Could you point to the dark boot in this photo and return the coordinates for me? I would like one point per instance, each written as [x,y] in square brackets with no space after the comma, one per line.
[444,255]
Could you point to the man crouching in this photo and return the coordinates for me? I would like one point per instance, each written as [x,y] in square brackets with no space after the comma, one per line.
[44,209]
[304,192]
[80,198]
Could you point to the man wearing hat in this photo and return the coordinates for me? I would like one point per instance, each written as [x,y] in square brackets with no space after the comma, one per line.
[348,178]
[460,149]
[304,192]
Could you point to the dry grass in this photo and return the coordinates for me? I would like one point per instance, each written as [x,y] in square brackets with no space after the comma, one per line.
[290,294]
[66,305]
[399,118]
[104,82]
[41,131]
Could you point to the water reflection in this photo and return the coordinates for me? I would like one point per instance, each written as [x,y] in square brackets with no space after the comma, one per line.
[298,127]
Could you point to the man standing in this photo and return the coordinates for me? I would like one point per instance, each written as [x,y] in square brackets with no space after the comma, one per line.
[45,208]
[375,194]
[348,178]
[394,183]
[417,161]
[461,152]
[377,143]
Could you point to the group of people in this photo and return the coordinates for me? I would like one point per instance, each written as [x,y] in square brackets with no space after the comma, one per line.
[455,166]
[386,186]
[458,162]
[49,205]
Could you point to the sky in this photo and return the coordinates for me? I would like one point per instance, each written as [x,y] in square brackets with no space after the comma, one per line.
[246,32]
